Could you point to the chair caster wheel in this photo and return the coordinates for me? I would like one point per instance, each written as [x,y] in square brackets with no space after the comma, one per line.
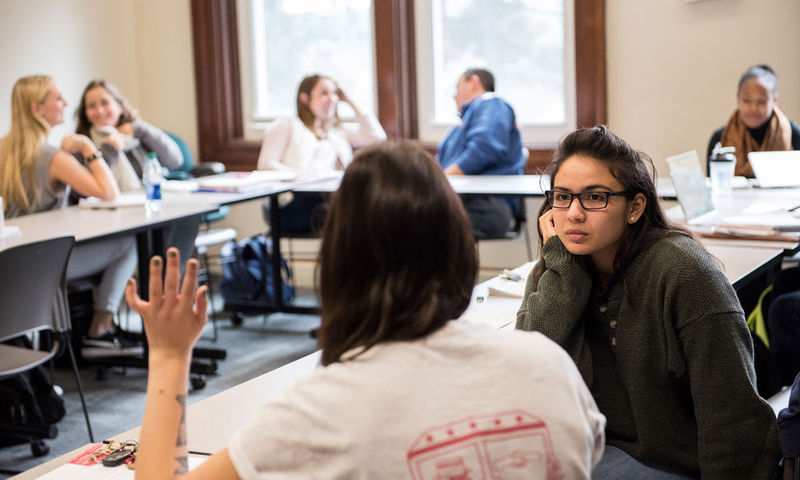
[237,319]
[198,383]
[39,448]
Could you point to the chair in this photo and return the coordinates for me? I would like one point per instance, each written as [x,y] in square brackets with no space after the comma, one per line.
[789,433]
[520,227]
[520,220]
[33,299]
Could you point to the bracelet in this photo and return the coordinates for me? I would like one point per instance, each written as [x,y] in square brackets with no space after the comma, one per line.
[91,158]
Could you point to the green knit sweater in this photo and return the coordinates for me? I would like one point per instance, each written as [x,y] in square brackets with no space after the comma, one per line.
[673,369]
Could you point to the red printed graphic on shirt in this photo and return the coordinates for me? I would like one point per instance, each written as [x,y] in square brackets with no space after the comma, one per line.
[500,446]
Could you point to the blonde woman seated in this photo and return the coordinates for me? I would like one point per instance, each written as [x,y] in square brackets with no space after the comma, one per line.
[313,143]
[35,177]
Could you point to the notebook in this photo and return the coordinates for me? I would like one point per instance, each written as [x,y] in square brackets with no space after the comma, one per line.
[776,169]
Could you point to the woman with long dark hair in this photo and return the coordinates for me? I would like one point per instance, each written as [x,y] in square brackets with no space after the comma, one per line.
[652,323]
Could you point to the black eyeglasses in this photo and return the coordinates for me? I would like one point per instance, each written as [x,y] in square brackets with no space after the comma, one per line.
[588,200]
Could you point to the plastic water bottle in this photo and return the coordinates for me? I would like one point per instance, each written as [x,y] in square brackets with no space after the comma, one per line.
[152,184]
[722,167]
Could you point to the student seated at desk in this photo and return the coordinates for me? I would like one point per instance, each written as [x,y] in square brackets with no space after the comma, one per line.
[758,124]
[404,391]
[653,325]
[486,142]
[106,117]
[35,177]
[313,143]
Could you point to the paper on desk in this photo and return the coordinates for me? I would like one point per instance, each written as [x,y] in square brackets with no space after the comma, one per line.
[492,319]
[241,181]
[502,287]
[182,186]
[99,472]
[10,231]
[760,208]
[135,199]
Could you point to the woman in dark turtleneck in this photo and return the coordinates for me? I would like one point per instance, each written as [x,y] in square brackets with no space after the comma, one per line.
[758,124]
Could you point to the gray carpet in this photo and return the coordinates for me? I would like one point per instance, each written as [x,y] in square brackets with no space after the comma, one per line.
[116,403]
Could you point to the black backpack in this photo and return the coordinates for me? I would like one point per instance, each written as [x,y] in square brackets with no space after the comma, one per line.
[247,272]
[28,404]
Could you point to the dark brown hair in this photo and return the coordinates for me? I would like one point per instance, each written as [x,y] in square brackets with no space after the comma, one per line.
[485,76]
[398,258]
[303,110]
[637,174]
[763,73]
[129,114]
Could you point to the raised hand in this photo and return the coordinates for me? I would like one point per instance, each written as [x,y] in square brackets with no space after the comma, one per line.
[175,314]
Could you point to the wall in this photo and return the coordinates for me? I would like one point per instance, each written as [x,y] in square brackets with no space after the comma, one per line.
[142,46]
[673,67]
[163,38]
[72,40]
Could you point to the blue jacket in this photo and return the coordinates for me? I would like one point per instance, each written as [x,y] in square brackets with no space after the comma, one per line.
[487,142]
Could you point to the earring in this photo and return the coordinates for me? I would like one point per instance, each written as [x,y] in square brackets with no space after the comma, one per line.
[633,219]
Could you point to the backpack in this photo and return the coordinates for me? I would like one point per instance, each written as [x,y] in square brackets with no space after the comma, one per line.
[247,271]
[27,400]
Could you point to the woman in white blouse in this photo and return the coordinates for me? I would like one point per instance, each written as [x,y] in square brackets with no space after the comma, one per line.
[314,143]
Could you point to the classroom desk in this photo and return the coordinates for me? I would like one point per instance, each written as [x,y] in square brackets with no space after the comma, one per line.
[211,422]
[89,225]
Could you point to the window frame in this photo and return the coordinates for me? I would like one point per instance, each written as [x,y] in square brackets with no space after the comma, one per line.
[219,92]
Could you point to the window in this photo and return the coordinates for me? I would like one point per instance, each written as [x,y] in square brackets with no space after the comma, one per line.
[526,44]
[282,41]
[221,75]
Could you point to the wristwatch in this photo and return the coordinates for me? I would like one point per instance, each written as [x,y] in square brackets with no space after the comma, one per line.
[91,158]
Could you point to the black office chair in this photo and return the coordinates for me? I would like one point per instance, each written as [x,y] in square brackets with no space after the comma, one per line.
[33,301]
[520,228]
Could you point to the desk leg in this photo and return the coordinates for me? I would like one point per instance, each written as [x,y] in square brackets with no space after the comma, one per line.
[275,235]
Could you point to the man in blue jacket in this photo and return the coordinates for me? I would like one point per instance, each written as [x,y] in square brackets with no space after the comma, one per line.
[487,142]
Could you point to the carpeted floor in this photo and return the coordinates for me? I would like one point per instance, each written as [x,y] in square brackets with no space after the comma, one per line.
[116,403]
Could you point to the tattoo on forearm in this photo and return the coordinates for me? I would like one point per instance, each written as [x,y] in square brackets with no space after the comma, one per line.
[181,440]
[183,466]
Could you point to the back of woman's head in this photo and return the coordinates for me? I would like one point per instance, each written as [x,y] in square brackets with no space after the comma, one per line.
[398,258]
[18,148]
[637,174]
[128,115]
[764,74]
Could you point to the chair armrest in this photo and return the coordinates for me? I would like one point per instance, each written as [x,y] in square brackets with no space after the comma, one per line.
[178,175]
[203,169]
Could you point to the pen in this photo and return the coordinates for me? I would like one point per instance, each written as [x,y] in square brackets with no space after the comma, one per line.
[794,208]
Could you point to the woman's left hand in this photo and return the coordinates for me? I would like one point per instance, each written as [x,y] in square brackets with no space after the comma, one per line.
[173,317]
[126,129]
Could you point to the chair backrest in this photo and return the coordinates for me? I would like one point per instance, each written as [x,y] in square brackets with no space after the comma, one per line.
[33,287]
[188,159]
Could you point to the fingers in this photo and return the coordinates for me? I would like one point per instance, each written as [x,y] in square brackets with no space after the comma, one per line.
[155,287]
[132,297]
[172,277]
[201,304]
[189,280]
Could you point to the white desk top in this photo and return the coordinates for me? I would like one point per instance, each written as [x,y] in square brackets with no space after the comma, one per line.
[510,185]
[86,224]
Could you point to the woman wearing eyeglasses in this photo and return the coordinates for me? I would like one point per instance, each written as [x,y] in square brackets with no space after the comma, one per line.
[654,326]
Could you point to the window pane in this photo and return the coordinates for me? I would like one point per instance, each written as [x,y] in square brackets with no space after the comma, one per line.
[520,41]
[295,38]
